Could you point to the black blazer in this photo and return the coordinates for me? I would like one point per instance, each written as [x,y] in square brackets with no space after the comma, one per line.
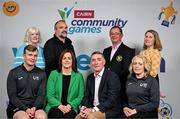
[109,94]
[120,63]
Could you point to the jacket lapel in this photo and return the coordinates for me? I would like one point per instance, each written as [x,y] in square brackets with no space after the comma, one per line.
[119,50]
[103,78]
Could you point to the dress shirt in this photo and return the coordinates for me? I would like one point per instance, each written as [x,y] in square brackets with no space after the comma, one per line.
[97,83]
[113,50]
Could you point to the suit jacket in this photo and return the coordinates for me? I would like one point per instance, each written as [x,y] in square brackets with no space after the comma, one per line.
[54,90]
[120,63]
[109,93]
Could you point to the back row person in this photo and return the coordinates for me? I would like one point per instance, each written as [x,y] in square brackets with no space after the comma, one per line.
[151,50]
[54,46]
[118,57]
[32,37]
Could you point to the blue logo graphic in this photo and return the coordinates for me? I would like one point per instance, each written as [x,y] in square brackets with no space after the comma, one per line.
[66,12]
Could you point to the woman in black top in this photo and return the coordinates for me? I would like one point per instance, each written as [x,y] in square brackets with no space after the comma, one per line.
[142,91]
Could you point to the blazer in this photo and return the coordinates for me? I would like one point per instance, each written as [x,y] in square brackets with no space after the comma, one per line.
[54,90]
[120,63]
[109,90]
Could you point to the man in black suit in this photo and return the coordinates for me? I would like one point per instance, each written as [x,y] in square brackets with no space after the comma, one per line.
[118,57]
[102,94]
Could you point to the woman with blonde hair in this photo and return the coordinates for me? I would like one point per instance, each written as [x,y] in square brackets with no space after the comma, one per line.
[32,37]
[142,91]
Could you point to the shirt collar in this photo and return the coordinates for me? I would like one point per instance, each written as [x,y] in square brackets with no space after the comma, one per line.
[100,73]
[117,46]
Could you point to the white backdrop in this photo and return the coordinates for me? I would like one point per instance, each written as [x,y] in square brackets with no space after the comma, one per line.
[134,16]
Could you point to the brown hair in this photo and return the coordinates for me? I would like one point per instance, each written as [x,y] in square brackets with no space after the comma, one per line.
[30,48]
[73,60]
[157,42]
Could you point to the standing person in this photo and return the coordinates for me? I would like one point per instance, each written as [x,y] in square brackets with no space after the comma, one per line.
[32,37]
[118,57]
[54,46]
[102,93]
[65,88]
[151,50]
[142,91]
[26,86]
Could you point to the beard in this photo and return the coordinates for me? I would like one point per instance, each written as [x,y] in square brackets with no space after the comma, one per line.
[63,35]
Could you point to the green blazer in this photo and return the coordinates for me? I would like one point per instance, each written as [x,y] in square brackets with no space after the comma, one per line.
[54,90]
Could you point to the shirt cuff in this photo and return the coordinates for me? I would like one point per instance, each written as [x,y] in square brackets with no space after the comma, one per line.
[96,109]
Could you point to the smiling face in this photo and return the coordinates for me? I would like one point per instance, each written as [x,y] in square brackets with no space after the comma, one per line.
[34,37]
[149,40]
[115,36]
[97,63]
[10,8]
[61,30]
[138,66]
[30,58]
[67,61]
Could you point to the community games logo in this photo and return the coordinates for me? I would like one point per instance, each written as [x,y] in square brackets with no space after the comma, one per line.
[84,20]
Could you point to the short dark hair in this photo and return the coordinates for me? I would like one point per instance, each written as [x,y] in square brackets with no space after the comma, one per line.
[98,52]
[30,48]
[74,68]
[58,22]
[120,30]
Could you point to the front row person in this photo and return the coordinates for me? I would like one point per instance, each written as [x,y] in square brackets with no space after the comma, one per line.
[142,91]
[102,93]
[26,86]
[65,88]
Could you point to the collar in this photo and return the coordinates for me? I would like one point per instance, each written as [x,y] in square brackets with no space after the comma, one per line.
[100,73]
[117,46]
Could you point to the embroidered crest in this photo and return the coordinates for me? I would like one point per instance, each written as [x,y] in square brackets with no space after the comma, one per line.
[119,58]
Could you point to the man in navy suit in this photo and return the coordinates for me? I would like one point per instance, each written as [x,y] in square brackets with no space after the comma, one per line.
[118,57]
[102,93]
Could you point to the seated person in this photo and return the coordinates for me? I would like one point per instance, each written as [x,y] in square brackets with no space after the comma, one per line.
[65,88]
[102,95]
[142,91]
[26,86]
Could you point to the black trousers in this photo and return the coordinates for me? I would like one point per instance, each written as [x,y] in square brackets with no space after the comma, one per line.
[54,112]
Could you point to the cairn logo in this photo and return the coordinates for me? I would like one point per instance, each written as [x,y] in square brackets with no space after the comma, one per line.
[10,8]
[165,109]
[168,12]
[66,12]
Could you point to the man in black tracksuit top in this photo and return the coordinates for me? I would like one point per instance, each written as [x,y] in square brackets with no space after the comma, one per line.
[26,85]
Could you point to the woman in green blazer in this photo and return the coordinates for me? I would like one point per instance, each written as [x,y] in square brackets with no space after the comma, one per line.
[65,88]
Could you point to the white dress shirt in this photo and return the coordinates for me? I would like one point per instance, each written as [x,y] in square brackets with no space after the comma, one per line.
[97,84]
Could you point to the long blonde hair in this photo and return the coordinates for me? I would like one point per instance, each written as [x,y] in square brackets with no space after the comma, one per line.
[146,63]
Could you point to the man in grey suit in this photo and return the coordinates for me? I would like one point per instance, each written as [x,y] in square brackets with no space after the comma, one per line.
[102,93]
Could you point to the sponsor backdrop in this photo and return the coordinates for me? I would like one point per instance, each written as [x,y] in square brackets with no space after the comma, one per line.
[89,22]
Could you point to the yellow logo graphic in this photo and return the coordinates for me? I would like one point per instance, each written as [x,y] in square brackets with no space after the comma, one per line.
[119,58]
[168,12]
[10,8]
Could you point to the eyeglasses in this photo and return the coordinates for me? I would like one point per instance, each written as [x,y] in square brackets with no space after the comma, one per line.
[114,34]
